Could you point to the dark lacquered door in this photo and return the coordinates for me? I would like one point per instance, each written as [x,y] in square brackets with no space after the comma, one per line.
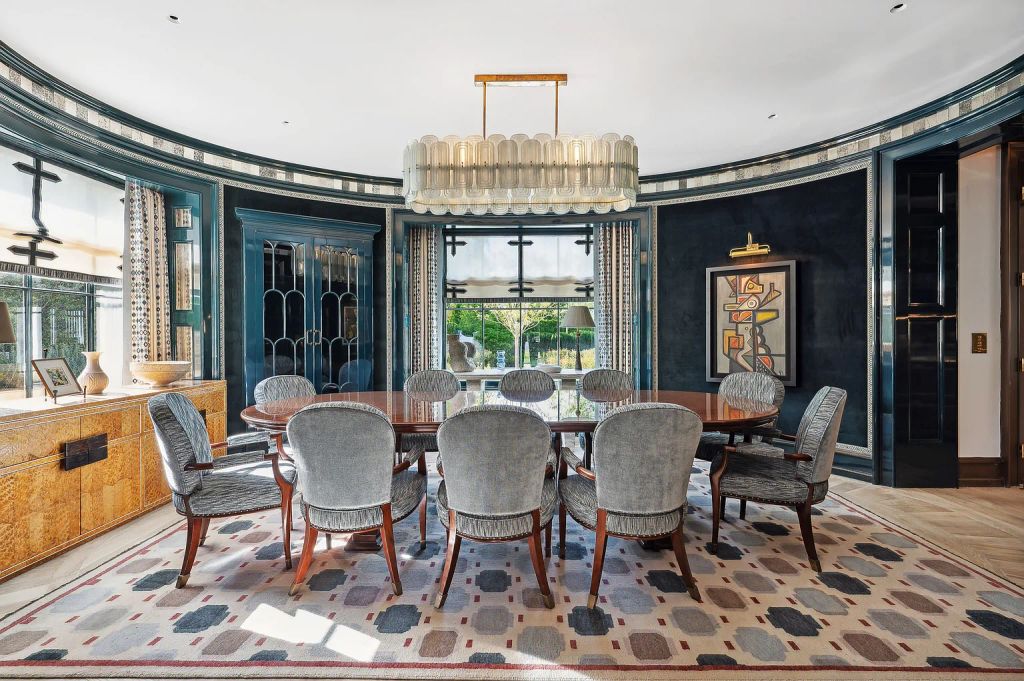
[925,301]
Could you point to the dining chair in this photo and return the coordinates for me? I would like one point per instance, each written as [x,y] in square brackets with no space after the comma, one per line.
[429,385]
[271,389]
[798,479]
[606,379]
[354,376]
[526,385]
[495,488]
[348,481]
[643,455]
[203,487]
[742,386]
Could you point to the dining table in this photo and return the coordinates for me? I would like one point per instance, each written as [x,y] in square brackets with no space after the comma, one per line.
[567,410]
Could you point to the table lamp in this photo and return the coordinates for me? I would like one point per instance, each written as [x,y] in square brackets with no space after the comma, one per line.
[6,328]
[578,317]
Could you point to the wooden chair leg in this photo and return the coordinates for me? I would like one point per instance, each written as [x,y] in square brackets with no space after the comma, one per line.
[600,544]
[450,560]
[536,555]
[286,524]
[192,538]
[305,560]
[388,544]
[206,528]
[679,547]
[547,539]
[743,509]
[716,514]
[423,522]
[803,511]
[561,530]
[328,541]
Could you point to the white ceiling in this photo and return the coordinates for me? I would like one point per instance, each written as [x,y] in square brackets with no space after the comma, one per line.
[693,81]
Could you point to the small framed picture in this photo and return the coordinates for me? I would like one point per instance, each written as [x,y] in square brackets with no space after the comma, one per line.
[56,377]
[183,217]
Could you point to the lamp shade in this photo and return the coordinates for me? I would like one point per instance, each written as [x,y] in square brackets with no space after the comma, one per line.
[6,328]
[578,317]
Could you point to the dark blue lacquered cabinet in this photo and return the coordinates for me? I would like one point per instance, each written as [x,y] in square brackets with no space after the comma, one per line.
[308,300]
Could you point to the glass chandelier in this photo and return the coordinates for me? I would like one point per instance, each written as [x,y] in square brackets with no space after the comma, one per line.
[520,174]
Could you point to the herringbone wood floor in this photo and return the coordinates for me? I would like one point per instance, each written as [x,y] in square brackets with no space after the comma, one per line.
[984,525]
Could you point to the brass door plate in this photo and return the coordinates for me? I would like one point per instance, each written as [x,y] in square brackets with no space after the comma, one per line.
[979,343]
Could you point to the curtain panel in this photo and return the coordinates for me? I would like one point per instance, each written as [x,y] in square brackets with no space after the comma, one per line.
[613,295]
[424,298]
[149,297]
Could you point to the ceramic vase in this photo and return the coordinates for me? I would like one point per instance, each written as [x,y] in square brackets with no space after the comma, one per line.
[93,379]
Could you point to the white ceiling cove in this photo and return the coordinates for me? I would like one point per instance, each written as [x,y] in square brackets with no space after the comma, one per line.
[693,81]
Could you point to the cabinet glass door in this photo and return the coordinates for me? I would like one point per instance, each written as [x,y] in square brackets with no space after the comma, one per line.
[286,326]
[339,364]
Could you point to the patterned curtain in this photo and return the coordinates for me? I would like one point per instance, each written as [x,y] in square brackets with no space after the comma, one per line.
[613,296]
[149,306]
[424,298]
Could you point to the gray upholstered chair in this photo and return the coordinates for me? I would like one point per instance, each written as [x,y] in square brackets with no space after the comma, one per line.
[354,376]
[742,386]
[798,479]
[643,455]
[429,385]
[347,479]
[606,380]
[249,479]
[526,385]
[272,389]
[495,487]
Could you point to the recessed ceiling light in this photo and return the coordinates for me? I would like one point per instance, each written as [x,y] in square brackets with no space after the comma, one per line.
[174,18]
[286,122]
[899,7]
[772,116]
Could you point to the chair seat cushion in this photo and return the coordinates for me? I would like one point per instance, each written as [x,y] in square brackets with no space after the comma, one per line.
[242,488]
[580,498]
[407,490]
[711,445]
[503,527]
[425,441]
[766,478]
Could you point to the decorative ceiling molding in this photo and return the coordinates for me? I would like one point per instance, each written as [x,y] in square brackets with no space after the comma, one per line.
[32,86]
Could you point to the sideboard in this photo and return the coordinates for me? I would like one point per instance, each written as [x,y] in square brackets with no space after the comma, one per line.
[45,509]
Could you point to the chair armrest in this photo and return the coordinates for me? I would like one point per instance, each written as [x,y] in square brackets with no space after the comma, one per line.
[585,472]
[413,455]
[797,456]
[194,465]
[570,458]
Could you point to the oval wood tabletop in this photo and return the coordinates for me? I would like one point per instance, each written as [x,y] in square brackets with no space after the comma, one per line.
[565,410]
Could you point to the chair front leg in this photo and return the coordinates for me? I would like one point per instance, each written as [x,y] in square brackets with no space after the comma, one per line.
[600,544]
[423,522]
[450,559]
[536,555]
[308,546]
[547,539]
[803,512]
[206,528]
[561,530]
[743,509]
[388,544]
[193,536]
[286,524]
[679,547]
[717,501]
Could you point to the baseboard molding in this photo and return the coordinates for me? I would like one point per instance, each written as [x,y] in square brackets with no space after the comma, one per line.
[981,471]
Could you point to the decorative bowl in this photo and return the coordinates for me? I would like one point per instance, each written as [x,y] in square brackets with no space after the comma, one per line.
[549,368]
[159,374]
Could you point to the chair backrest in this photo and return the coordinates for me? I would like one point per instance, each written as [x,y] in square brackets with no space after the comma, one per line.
[818,433]
[344,453]
[354,376]
[494,459]
[282,388]
[182,438]
[753,385]
[643,454]
[606,379]
[527,385]
[435,385]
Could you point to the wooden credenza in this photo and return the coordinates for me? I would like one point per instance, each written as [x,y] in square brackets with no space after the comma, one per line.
[45,509]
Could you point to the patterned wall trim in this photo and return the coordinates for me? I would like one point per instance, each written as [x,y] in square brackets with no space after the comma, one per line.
[981,95]
[28,82]
[53,273]
[872,298]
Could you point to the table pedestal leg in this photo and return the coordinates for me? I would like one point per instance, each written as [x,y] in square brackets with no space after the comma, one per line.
[364,541]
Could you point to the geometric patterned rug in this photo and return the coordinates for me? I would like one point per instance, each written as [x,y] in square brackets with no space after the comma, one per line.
[887,605]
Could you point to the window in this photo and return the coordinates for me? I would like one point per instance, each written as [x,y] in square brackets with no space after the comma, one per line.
[507,290]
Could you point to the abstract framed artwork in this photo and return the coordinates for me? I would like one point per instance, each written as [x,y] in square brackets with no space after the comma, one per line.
[752,320]
[56,376]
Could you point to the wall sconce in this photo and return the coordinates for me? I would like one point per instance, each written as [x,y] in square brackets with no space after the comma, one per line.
[750,249]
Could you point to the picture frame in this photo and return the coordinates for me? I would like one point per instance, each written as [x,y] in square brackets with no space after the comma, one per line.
[182,217]
[751,320]
[57,377]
